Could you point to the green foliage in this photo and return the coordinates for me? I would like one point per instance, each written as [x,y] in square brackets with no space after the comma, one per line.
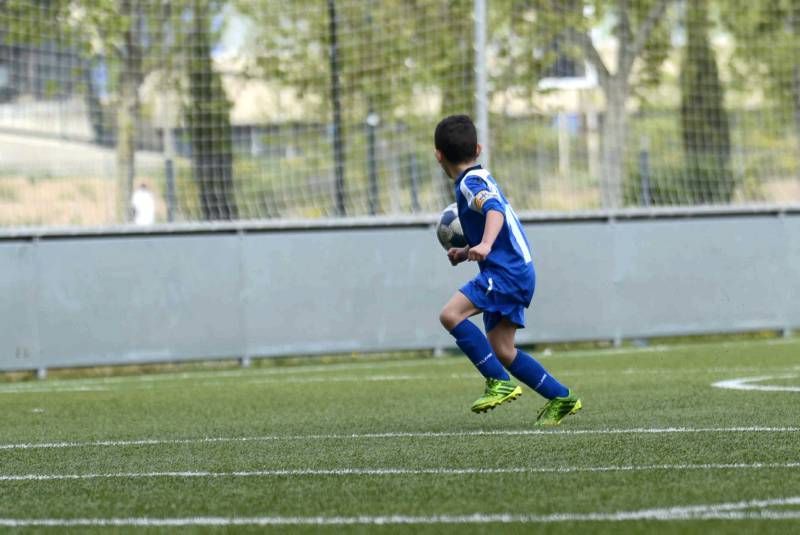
[8,193]
[95,28]
[520,145]
[412,60]
[261,191]
[654,54]
[528,37]
[551,20]
[186,191]
[765,143]
[29,21]
[387,51]
[656,132]
[767,46]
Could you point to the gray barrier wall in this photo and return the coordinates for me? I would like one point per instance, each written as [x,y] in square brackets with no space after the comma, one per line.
[265,289]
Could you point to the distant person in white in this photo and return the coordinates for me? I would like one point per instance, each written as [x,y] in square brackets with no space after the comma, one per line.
[144,206]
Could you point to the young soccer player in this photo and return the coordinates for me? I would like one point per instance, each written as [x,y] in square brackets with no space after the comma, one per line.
[503,288]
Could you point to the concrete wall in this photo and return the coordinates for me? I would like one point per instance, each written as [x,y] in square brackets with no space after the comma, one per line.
[190,292]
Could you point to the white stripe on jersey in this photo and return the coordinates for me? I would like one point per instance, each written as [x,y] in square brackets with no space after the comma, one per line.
[513,224]
[480,173]
[511,218]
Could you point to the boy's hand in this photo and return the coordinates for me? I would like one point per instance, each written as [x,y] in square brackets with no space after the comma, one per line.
[456,255]
[479,252]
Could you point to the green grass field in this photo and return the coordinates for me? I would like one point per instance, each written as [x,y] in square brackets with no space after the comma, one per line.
[391,446]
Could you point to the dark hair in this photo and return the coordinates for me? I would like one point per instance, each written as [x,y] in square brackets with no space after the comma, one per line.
[456,138]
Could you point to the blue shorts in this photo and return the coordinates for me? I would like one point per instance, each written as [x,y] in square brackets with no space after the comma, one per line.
[497,301]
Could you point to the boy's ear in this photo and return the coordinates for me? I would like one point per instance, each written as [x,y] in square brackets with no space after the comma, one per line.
[439,155]
[478,150]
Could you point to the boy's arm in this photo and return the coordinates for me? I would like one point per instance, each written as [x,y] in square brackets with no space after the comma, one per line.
[494,223]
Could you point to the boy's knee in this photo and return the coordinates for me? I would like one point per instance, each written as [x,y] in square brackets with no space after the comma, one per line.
[503,348]
[505,353]
[449,318]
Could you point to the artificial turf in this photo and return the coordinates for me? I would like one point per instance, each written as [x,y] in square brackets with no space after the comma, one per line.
[392,447]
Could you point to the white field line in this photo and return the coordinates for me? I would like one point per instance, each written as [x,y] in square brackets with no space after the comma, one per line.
[660,348]
[474,375]
[745,383]
[356,378]
[43,389]
[470,375]
[368,378]
[40,389]
[397,434]
[398,471]
[222,374]
[744,510]
[68,384]
[151,382]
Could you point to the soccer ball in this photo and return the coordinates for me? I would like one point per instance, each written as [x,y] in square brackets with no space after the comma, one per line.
[449,228]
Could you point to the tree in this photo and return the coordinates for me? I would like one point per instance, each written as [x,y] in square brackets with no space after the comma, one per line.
[208,119]
[636,26]
[388,54]
[380,44]
[135,39]
[704,121]
[767,38]
[108,31]
[129,50]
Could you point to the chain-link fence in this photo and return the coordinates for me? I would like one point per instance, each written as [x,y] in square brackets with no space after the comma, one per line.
[187,110]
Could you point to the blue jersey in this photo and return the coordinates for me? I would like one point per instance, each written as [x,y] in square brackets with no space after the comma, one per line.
[510,257]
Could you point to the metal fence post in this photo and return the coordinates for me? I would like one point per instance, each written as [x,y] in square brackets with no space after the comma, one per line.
[644,172]
[413,171]
[372,122]
[481,81]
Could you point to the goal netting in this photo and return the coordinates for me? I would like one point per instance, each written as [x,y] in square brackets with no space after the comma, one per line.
[198,110]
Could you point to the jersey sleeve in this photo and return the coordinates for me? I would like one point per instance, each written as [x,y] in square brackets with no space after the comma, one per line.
[480,196]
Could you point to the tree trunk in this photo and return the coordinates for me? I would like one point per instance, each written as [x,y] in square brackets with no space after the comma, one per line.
[704,121]
[94,107]
[128,110]
[794,22]
[796,100]
[340,195]
[614,137]
[209,124]
[126,145]
[616,88]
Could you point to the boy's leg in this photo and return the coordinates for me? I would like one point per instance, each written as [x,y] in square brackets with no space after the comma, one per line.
[529,371]
[469,338]
[520,364]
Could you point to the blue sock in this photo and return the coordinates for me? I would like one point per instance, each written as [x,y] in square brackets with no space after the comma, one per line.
[475,345]
[529,371]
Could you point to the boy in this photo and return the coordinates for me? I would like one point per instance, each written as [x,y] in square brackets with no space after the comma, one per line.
[504,286]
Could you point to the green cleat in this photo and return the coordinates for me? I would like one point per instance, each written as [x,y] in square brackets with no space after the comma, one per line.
[497,392]
[557,409]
